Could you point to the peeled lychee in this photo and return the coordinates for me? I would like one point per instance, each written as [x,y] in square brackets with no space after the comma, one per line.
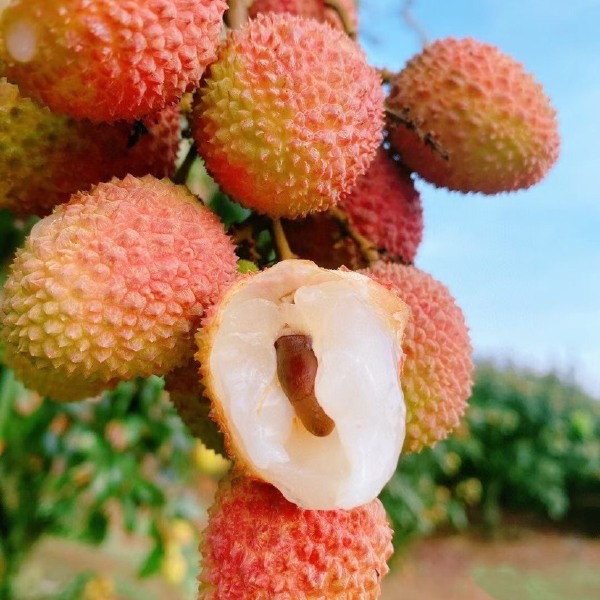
[259,545]
[109,60]
[289,116]
[469,118]
[112,286]
[44,158]
[436,379]
[302,366]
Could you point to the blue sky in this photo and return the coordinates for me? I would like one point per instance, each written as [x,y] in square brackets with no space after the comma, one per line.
[524,267]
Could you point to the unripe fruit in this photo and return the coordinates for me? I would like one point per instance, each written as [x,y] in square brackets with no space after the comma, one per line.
[44,158]
[289,116]
[472,119]
[302,366]
[112,286]
[259,545]
[436,379]
[109,60]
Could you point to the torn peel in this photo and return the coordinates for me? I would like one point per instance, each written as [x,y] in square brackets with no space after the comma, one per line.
[302,366]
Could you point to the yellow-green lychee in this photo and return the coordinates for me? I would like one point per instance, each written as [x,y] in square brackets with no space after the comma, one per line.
[468,117]
[44,158]
[112,286]
[437,374]
[289,116]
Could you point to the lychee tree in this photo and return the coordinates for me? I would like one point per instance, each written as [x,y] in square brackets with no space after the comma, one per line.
[313,380]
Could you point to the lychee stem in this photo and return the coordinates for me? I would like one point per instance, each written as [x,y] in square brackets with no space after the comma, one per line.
[368,251]
[183,172]
[281,243]
[237,14]
[296,370]
[337,6]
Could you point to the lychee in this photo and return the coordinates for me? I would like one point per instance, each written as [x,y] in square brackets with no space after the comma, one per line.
[44,158]
[467,117]
[259,545]
[109,60]
[112,286]
[302,366]
[186,392]
[386,209]
[321,10]
[289,116]
[436,379]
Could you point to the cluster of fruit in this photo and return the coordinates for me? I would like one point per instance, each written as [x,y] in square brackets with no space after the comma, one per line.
[312,378]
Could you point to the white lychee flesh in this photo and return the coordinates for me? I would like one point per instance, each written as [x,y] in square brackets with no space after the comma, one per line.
[356,328]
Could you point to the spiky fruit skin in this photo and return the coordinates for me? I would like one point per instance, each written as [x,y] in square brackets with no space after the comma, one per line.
[112,286]
[289,116]
[109,60]
[312,9]
[479,122]
[259,545]
[47,157]
[186,392]
[386,209]
[436,379]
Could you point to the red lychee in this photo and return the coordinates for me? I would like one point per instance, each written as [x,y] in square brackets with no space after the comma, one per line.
[469,118]
[109,60]
[47,157]
[259,545]
[436,379]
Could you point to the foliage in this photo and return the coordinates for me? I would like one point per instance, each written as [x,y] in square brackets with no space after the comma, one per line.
[68,469]
[528,443]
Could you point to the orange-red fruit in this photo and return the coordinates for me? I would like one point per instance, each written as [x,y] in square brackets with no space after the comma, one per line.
[436,380]
[385,208]
[112,286]
[289,116]
[259,545]
[477,121]
[44,158]
[313,9]
[109,60]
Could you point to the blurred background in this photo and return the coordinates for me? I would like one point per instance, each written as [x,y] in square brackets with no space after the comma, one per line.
[105,499]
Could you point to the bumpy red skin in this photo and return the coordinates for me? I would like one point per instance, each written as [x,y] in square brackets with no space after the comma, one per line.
[258,545]
[115,59]
[48,157]
[437,374]
[289,116]
[479,122]
[112,286]
[385,208]
[313,9]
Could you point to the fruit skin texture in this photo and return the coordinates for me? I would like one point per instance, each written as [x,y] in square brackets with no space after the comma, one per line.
[436,380]
[186,392]
[109,60]
[312,9]
[289,116]
[47,157]
[478,106]
[385,208]
[112,286]
[259,545]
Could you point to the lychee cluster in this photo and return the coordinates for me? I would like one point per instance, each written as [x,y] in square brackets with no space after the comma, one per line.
[311,378]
